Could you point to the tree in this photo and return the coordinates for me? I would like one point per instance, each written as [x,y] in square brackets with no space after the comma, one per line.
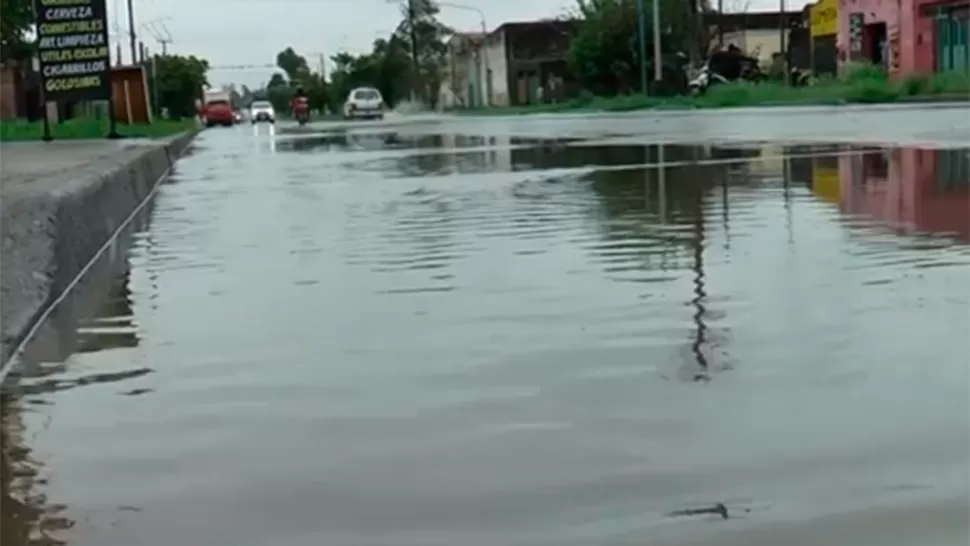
[431,44]
[387,66]
[295,66]
[16,21]
[277,80]
[604,54]
[179,82]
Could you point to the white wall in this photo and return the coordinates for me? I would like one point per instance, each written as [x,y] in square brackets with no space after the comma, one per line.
[495,55]
[768,40]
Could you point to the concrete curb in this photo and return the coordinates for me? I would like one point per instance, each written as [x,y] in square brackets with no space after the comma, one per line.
[51,236]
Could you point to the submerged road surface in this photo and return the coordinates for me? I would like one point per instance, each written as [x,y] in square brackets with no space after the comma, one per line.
[518,333]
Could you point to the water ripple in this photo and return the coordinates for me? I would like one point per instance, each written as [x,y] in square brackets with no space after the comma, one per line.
[562,347]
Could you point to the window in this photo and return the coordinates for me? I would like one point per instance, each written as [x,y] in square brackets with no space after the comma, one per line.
[259,104]
[367,94]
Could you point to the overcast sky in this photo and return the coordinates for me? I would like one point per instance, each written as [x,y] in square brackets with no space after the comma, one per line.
[251,32]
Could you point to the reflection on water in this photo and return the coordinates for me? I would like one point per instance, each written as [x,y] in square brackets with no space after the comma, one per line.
[911,190]
[29,517]
[560,350]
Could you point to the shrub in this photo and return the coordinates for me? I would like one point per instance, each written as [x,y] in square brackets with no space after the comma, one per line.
[864,72]
[955,83]
[916,85]
[871,91]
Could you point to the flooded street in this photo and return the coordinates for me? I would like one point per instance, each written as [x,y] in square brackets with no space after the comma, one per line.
[440,335]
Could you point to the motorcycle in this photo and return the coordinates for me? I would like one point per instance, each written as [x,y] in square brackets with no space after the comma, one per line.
[747,70]
[302,116]
[704,78]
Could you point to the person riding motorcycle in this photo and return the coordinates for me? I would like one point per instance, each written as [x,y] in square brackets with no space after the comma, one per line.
[299,104]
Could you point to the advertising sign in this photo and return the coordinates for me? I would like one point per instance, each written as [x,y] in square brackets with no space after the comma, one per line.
[72,43]
[824,18]
[856,28]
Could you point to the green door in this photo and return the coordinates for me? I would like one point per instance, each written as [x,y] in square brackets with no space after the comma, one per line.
[533,88]
[488,87]
[953,51]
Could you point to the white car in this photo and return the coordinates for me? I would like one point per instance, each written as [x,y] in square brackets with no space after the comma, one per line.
[364,103]
[262,110]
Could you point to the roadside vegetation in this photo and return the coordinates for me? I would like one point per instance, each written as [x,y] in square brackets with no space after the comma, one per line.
[861,85]
[92,128]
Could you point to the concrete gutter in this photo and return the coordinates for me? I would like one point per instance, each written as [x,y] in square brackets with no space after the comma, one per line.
[56,221]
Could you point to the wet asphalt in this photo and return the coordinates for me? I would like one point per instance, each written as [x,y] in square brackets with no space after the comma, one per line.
[521,331]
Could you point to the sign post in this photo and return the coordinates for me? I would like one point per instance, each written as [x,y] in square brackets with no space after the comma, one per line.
[74,54]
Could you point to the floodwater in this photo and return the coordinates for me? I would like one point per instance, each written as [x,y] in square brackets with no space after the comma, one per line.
[371,337]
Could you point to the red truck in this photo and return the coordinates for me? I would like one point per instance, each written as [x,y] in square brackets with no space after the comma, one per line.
[217,108]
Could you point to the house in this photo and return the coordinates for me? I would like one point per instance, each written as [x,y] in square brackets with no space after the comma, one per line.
[8,91]
[463,86]
[19,91]
[906,36]
[509,65]
[535,56]
[760,34]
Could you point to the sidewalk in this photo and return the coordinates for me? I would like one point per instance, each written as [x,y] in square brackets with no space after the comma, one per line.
[60,202]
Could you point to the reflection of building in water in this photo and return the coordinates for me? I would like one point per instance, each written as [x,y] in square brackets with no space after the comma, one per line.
[25,519]
[113,327]
[770,161]
[449,145]
[825,180]
[502,146]
[924,190]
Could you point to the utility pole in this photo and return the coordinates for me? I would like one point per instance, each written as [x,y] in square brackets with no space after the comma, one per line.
[416,78]
[781,41]
[131,32]
[164,43]
[658,67]
[642,23]
[720,23]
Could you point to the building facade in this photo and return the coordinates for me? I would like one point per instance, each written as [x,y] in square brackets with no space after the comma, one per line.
[462,85]
[759,34]
[906,36]
[824,31]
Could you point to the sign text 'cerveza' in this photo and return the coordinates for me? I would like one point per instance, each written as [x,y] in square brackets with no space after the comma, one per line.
[73,48]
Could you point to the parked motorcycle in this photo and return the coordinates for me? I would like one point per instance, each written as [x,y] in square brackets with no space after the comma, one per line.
[727,66]
[704,78]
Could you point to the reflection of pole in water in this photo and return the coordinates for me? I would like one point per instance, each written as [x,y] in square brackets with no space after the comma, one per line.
[700,294]
[786,196]
[646,180]
[662,183]
[725,210]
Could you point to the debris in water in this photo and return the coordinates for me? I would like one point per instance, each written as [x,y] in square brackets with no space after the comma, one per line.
[718,509]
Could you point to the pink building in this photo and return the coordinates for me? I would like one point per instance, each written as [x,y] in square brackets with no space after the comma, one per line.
[906,36]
